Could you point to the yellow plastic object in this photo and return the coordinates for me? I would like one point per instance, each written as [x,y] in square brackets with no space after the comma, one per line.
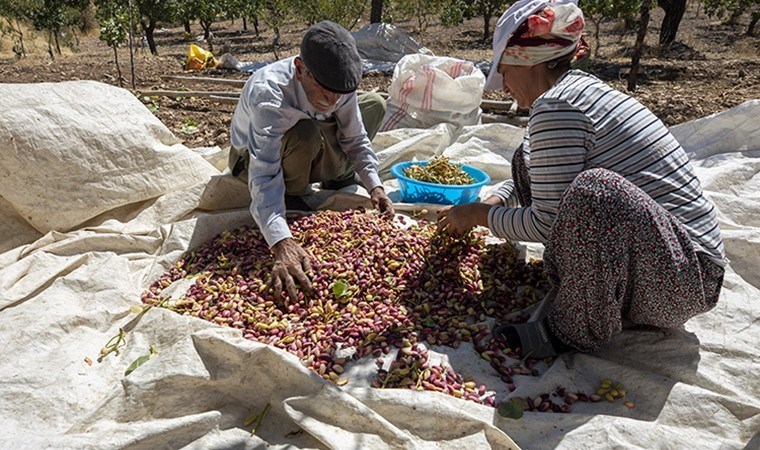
[199,59]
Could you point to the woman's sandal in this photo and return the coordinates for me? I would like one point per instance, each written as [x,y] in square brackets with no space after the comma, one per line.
[534,339]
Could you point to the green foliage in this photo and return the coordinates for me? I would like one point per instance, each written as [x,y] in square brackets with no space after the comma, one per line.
[189,127]
[56,15]
[731,9]
[608,9]
[487,9]
[346,12]
[596,11]
[453,13]
[204,10]
[274,13]
[113,17]
[157,10]
[233,9]
[422,10]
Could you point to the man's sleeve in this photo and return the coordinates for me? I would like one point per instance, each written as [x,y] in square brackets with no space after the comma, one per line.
[355,143]
[259,123]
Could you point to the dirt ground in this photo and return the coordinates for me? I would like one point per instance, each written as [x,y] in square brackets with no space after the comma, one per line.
[710,68]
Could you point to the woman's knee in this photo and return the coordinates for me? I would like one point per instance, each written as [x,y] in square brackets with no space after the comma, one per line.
[596,185]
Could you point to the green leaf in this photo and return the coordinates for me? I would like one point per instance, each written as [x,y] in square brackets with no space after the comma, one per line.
[137,363]
[188,127]
[513,409]
[250,419]
[340,288]
[141,360]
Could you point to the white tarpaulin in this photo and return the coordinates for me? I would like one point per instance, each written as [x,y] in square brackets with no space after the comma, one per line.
[75,264]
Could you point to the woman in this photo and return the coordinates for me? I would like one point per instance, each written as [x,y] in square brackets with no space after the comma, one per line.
[602,183]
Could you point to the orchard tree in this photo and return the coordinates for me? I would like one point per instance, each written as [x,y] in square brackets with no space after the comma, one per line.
[453,12]
[733,9]
[55,16]
[487,9]
[244,9]
[113,16]
[151,12]
[274,13]
[206,11]
[422,10]
[15,13]
[346,12]
[184,13]
[597,11]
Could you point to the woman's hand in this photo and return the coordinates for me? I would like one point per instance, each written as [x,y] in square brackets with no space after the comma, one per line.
[457,220]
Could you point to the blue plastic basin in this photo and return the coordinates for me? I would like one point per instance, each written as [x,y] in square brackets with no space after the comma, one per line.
[413,191]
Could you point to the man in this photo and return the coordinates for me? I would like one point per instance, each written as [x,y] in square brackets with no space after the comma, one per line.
[299,121]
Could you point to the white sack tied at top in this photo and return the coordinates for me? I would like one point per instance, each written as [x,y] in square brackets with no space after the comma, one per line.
[74,150]
[428,90]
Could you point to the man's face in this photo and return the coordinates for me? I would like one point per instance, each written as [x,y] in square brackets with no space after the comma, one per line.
[320,98]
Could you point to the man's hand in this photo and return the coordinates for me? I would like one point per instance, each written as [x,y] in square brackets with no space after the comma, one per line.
[291,263]
[381,201]
[457,220]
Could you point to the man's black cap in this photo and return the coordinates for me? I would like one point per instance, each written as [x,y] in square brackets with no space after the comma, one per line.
[329,52]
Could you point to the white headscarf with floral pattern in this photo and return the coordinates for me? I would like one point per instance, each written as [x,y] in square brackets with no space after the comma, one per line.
[549,34]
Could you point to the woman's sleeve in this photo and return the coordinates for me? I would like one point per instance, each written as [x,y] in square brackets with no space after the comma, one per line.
[559,138]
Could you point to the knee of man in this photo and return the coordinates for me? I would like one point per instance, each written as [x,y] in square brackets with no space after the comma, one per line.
[372,102]
[304,135]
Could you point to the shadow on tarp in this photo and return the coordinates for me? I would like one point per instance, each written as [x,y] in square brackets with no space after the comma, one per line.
[649,363]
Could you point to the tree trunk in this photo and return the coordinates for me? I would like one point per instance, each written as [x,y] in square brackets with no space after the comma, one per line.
[118,67]
[674,11]
[50,45]
[638,48]
[20,36]
[206,25]
[256,25]
[486,26]
[245,24]
[186,24]
[148,29]
[131,44]
[597,23]
[57,43]
[276,43]
[376,11]
[752,24]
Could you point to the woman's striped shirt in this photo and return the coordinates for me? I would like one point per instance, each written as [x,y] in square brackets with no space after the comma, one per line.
[581,123]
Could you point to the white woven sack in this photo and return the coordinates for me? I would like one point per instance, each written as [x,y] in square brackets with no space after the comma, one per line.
[428,90]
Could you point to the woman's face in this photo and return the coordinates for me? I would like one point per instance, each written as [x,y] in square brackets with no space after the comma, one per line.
[320,98]
[521,83]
